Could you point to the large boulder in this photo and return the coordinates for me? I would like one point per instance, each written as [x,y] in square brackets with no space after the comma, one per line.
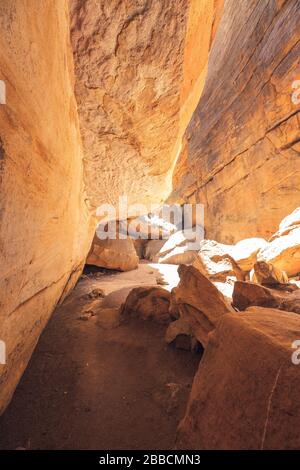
[244,253]
[180,248]
[246,294]
[113,254]
[245,394]
[284,252]
[218,268]
[179,255]
[148,303]
[198,302]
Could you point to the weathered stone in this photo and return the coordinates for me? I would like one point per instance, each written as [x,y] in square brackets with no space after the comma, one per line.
[45,226]
[284,252]
[218,268]
[179,255]
[240,155]
[245,394]
[290,222]
[199,302]
[135,97]
[148,303]
[247,294]
[245,252]
[113,254]
[177,249]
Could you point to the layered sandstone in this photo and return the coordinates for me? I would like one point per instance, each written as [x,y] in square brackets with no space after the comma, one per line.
[44,224]
[140,70]
[240,155]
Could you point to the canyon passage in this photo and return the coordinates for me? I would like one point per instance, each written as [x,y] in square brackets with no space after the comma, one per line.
[181,330]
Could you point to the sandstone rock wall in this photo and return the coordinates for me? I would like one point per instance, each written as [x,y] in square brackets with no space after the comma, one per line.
[240,154]
[44,221]
[140,68]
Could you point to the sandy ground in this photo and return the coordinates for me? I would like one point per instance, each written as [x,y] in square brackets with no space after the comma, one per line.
[94,387]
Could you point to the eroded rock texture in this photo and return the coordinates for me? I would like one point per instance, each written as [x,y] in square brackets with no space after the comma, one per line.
[140,68]
[44,223]
[245,393]
[240,155]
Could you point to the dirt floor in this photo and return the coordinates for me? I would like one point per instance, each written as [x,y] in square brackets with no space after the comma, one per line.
[93,385]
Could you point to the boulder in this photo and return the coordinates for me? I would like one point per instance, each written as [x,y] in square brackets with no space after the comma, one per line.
[245,252]
[267,274]
[289,223]
[218,268]
[246,294]
[179,248]
[245,394]
[199,302]
[113,254]
[212,248]
[148,303]
[284,252]
[179,255]
[175,250]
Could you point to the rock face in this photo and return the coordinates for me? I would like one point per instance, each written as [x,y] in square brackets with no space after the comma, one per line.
[148,303]
[113,254]
[240,155]
[198,302]
[245,394]
[44,224]
[140,69]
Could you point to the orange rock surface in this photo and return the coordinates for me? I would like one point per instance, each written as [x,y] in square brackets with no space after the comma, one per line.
[240,154]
